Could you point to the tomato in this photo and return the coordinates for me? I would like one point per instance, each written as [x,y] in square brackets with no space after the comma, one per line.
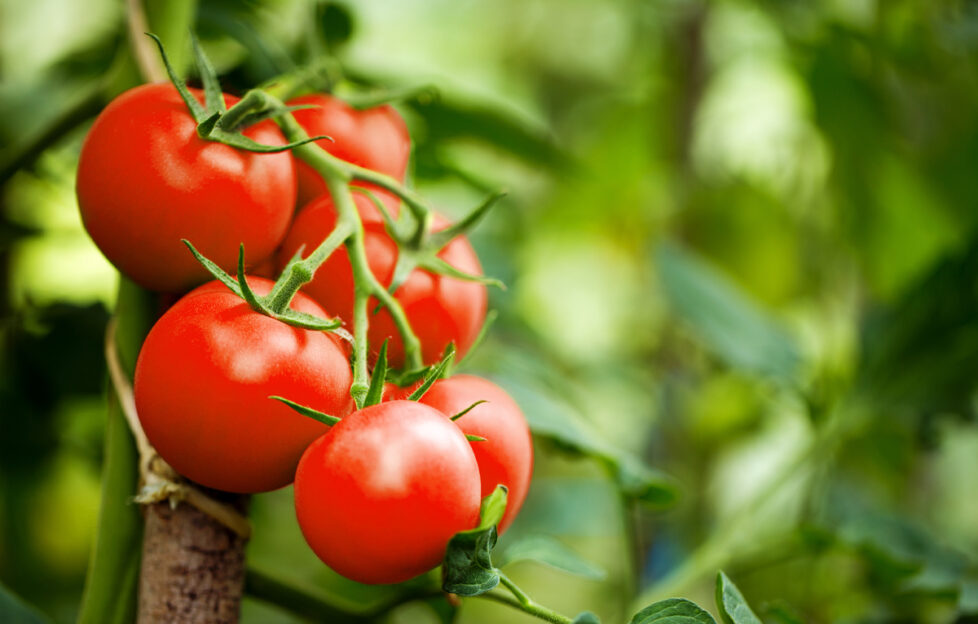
[375,138]
[441,309]
[204,376]
[380,495]
[506,455]
[146,180]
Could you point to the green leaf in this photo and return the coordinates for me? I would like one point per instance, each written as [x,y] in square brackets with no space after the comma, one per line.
[728,322]
[920,353]
[468,569]
[673,611]
[15,611]
[555,420]
[452,117]
[585,617]
[326,419]
[468,565]
[493,507]
[731,603]
[553,553]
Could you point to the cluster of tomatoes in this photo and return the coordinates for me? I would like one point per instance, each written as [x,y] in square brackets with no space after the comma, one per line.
[380,493]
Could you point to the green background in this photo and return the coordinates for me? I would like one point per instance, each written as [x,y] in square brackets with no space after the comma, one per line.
[739,243]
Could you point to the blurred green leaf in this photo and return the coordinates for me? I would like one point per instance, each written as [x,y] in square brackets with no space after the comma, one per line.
[585,617]
[920,353]
[724,318]
[673,611]
[468,569]
[551,552]
[731,325]
[14,611]
[558,422]
[731,603]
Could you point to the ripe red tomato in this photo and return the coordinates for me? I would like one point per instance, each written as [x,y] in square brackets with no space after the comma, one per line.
[375,138]
[506,455]
[441,309]
[380,495]
[204,376]
[146,180]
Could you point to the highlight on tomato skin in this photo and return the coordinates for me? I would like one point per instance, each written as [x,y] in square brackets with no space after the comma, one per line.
[441,309]
[146,181]
[380,495]
[506,455]
[203,378]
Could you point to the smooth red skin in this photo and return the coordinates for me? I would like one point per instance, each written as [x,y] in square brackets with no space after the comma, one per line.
[145,181]
[375,138]
[441,309]
[506,455]
[380,495]
[202,384]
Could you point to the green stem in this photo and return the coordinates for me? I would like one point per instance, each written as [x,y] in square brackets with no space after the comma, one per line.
[524,603]
[235,115]
[414,202]
[324,608]
[302,272]
[337,174]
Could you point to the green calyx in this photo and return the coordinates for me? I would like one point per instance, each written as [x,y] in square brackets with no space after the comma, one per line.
[276,303]
[419,248]
[215,122]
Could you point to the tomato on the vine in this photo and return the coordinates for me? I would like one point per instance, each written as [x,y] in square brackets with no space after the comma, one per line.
[380,495]
[146,180]
[375,138]
[204,376]
[506,455]
[441,309]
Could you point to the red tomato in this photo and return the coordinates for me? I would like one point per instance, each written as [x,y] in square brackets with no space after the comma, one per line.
[506,455]
[380,495]
[202,384]
[146,180]
[441,309]
[376,138]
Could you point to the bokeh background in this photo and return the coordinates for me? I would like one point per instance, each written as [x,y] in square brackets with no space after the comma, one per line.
[739,244]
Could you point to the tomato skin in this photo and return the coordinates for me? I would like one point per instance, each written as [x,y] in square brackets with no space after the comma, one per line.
[381,494]
[506,454]
[441,309]
[375,138]
[203,379]
[146,180]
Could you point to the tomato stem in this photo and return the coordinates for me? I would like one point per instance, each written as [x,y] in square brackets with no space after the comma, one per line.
[525,603]
[337,174]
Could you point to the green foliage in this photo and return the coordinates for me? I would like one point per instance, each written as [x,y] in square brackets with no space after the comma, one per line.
[733,608]
[727,321]
[673,611]
[14,611]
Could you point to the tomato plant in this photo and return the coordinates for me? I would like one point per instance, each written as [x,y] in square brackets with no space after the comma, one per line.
[505,457]
[375,138]
[146,181]
[203,379]
[440,308]
[380,495]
